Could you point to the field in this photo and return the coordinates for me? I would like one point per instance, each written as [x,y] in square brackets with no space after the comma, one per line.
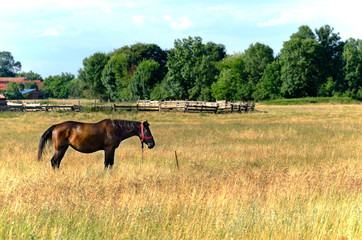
[285,172]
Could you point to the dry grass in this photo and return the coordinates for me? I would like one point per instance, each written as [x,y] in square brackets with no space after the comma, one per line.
[291,173]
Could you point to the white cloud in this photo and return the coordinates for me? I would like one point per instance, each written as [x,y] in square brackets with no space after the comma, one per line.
[138,20]
[56,5]
[219,8]
[344,16]
[290,13]
[167,17]
[50,32]
[180,23]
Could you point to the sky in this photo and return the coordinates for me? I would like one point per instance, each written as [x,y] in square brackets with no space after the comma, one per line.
[54,36]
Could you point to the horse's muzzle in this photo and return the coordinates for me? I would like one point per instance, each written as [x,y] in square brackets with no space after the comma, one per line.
[151,144]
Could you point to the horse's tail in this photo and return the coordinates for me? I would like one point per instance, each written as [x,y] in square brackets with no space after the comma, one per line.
[46,137]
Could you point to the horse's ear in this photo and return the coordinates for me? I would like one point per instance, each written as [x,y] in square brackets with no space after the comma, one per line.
[146,123]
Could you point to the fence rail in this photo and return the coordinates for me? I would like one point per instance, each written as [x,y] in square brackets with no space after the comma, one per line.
[145,105]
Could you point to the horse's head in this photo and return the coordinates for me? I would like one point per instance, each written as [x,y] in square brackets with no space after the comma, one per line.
[146,135]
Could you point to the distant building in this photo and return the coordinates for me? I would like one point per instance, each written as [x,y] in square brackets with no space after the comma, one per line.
[4,81]
[32,94]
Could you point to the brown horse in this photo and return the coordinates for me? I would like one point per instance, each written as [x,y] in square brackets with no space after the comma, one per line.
[91,137]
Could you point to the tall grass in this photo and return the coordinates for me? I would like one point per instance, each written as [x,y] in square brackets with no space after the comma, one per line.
[286,173]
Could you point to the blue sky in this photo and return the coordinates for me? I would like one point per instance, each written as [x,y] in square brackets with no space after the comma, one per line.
[54,36]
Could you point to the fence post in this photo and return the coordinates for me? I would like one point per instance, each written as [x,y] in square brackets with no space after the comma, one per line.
[186,107]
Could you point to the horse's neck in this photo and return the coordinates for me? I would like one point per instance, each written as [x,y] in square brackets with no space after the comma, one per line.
[130,132]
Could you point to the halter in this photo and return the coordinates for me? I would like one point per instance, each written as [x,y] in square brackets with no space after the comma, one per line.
[144,138]
[143,135]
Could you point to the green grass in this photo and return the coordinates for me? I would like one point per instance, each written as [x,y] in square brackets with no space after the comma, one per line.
[311,100]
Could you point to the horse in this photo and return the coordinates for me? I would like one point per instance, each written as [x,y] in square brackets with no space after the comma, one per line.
[91,137]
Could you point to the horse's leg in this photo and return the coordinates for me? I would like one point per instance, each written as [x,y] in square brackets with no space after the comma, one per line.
[58,156]
[109,157]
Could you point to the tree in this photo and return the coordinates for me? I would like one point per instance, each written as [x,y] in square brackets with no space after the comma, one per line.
[31,85]
[300,69]
[304,33]
[8,66]
[270,83]
[30,75]
[116,77]
[352,59]
[145,77]
[91,74]
[57,86]
[256,58]
[231,81]
[205,74]
[226,86]
[332,46]
[13,90]
[76,88]
[123,64]
[140,51]
[191,68]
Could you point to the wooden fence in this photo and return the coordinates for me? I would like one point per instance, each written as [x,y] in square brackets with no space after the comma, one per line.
[145,105]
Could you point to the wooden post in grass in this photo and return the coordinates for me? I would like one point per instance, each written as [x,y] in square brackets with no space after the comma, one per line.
[178,167]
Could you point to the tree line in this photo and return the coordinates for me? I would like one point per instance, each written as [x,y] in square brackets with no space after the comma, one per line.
[311,63]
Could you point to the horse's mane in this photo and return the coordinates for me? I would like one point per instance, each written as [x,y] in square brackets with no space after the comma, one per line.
[126,124]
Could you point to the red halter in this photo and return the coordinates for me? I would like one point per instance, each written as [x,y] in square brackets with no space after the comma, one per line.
[143,135]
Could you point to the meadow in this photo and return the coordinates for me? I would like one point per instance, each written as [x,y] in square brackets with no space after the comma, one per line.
[284,172]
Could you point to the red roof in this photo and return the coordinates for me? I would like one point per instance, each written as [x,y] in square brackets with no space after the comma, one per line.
[5,80]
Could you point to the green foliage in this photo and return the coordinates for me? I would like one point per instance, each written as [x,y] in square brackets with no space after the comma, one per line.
[31,85]
[140,51]
[226,85]
[331,65]
[311,100]
[8,66]
[327,88]
[76,87]
[304,32]
[231,78]
[145,77]
[256,58]
[13,90]
[91,75]
[30,76]
[159,91]
[352,57]
[191,68]
[300,71]
[270,83]
[115,77]
[118,74]
[57,86]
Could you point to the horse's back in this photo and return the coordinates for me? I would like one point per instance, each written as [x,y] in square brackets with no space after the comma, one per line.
[84,137]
